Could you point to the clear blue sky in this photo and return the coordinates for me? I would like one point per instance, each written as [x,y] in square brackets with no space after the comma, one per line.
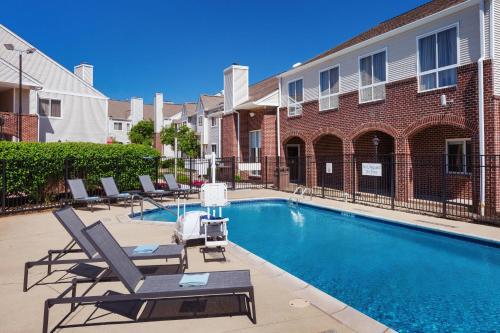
[181,47]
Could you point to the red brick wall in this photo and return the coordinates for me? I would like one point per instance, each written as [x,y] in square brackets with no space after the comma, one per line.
[29,126]
[229,136]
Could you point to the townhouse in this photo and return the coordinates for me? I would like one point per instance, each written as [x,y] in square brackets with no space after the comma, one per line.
[57,105]
[414,90]
[208,124]
[125,114]
[249,119]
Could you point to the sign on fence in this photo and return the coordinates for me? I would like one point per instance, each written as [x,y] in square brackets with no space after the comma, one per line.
[371,169]
[329,167]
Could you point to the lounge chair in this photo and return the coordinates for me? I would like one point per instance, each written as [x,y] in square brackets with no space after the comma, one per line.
[174,186]
[80,245]
[112,193]
[80,194]
[149,189]
[145,288]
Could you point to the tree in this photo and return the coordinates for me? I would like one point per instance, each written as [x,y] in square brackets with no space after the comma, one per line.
[142,133]
[187,140]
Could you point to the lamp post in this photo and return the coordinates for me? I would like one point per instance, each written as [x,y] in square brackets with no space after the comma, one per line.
[31,50]
[376,142]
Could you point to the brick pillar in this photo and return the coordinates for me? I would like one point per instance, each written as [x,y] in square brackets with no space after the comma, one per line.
[347,162]
[403,179]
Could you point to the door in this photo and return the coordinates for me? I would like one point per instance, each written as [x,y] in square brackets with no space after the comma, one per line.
[293,162]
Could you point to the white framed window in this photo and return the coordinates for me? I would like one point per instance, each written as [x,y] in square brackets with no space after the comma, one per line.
[118,126]
[329,88]
[458,156]
[213,122]
[128,127]
[372,76]
[214,149]
[255,147]
[295,97]
[200,120]
[438,59]
[51,108]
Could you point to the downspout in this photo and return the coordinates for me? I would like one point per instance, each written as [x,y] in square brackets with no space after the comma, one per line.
[238,132]
[278,136]
[482,171]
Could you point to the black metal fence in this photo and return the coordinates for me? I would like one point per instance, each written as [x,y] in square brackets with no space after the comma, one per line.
[443,185]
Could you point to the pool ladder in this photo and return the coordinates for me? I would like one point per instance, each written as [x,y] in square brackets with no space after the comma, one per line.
[154,203]
[299,193]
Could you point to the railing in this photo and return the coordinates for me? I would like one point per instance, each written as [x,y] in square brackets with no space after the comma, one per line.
[154,203]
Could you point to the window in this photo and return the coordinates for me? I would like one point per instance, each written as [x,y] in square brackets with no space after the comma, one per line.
[329,88]
[49,108]
[200,121]
[213,122]
[255,144]
[438,60]
[214,149]
[372,77]
[459,156]
[295,98]
[128,127]
[117,126]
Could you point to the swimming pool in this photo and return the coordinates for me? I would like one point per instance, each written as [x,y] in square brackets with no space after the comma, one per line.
[409,279]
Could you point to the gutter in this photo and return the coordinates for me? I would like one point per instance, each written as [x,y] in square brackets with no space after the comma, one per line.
[480,62]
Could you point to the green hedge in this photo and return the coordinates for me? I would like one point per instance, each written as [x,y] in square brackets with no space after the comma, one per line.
[36,171]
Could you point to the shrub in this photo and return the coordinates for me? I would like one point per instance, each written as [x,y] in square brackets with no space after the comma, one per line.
[36,171]
[142,133]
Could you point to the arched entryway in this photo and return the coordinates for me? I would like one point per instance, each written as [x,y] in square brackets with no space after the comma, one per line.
[441,164]
[328,162]
[295,157]
[374,149]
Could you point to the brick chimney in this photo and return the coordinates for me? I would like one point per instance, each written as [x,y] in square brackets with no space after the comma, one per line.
[85,72]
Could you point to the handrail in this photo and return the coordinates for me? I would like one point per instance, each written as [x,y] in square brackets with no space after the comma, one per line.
[300,191]
[154,203]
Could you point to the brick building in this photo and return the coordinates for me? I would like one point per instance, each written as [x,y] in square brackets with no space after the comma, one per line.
[417,93]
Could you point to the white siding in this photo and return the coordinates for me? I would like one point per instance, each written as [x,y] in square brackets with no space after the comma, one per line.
[120,136]
[83,119]
[401,53]
[496,47]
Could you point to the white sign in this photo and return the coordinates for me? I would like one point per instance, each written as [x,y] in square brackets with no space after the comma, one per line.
[329,168]
[371,169]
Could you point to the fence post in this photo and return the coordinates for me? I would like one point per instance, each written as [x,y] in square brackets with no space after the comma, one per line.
[4,183]
[233,172]
[393,176]
[66,177]
[443,184]
[322,180]
[265,179]
[353,177]
[190,172]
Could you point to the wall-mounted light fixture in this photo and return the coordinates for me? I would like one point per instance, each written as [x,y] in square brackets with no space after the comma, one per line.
[252,114]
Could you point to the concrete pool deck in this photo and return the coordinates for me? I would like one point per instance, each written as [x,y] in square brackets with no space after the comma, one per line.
[28,237]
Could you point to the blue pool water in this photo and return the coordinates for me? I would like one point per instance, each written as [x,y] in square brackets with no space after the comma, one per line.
[409,279]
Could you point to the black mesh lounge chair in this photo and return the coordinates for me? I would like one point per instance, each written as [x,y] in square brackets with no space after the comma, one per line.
[149,189]
[145,288]
[112,193]
[80,194]
[174,186]
[80,245]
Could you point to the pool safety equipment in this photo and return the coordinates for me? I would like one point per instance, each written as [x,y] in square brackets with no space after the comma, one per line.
[209,225]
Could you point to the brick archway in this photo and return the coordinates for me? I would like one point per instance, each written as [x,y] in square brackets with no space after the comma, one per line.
[374,127]
[437,120]
[318,134]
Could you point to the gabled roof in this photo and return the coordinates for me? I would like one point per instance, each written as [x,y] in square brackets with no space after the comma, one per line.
[119,109]
[211,102]
[189,109]
[413,15]
[263,88]
[10,74]
[170,109]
